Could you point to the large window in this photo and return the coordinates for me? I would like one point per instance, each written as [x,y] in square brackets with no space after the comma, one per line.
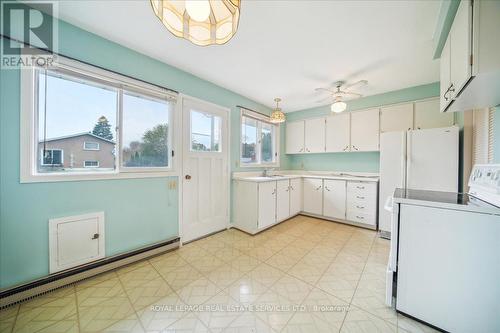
[259,143]
[85,121]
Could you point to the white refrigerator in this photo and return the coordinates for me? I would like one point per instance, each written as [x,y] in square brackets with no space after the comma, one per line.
[416,159]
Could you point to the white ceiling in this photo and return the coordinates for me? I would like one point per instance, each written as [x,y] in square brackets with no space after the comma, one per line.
[286,48]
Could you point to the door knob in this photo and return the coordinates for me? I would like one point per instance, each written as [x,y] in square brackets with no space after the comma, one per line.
[96,236]
[188,177]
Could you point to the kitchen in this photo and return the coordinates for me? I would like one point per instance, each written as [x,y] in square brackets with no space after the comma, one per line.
[365,198]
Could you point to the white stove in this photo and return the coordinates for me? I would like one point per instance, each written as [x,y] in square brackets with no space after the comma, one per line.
[443,266]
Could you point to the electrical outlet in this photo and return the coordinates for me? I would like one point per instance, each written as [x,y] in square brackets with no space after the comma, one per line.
[172,185]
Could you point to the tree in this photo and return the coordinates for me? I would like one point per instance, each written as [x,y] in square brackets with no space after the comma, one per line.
[103,129]
[154,148]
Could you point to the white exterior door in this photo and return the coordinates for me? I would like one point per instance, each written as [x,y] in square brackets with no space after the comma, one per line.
[334,198]
[295,137]
[315,135]
[205,177]
[365,130]
[338,132]
[267,204]
[295,196]
[313,195]
[282,200]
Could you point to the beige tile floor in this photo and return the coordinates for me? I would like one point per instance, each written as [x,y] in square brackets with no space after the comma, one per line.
[303,275]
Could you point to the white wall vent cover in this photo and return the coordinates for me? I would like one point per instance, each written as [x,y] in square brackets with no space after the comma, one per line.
[75,240]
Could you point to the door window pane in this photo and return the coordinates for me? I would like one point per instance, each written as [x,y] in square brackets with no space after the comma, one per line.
[205,132]
[145,131]
[72,111]
[248,140]
[267,146]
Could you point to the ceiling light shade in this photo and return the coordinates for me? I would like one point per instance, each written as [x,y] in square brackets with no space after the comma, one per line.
[338,106]
[277,116]
[202,22]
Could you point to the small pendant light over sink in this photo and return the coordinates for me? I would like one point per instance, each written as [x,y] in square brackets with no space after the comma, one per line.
[277,116]
[202,22]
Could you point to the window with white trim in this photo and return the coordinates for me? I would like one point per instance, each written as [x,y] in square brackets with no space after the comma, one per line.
[259,140]
[106,124]
[91,164]
[91,145]
[482,135]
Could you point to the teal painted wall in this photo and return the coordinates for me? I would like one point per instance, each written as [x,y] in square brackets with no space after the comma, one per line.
[138,211]
[355,161]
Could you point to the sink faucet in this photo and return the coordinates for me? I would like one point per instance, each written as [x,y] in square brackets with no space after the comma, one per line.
[266,172]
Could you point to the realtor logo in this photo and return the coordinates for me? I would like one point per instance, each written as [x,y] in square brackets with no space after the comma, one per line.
[29,31]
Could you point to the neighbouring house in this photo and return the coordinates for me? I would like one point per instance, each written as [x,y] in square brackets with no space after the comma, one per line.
[77,151]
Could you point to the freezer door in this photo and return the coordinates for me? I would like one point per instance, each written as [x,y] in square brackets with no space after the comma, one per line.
[392,173]
[432,159]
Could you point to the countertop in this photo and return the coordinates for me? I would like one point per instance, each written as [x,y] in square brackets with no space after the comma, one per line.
[257,177]
[445,200]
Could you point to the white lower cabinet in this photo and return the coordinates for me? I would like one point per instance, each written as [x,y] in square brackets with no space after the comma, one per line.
[361,203]
[313,195]
[295,196]
[267,204]
[282,200]
[334,198]
[259,205]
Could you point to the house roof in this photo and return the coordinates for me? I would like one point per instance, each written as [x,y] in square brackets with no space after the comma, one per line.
[77,135]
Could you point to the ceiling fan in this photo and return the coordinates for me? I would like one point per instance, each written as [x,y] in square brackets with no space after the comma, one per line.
[340,93]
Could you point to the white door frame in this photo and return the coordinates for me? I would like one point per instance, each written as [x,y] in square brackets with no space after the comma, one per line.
[180,155]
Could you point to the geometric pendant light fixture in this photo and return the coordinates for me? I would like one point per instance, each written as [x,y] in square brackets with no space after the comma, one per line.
[202,22]
[277,116]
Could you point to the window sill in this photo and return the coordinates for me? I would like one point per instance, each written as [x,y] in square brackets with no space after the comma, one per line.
[49,178]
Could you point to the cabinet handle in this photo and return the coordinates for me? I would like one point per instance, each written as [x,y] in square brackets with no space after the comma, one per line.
[359,197]
[307,149]
[360,217]
[274,191]
[291,188]
[346,148]
[319,187]
[356,148]
[326,188]
[360,207]
[360,187]
[301,150]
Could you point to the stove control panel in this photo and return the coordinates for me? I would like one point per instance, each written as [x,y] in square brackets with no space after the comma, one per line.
[484,183]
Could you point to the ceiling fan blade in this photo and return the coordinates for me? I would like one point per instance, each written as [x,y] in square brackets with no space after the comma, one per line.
[325,99]
[351,93]
[356,84]
[324,90]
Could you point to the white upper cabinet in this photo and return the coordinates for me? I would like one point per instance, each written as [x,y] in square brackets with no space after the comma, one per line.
[314,135]
[461,48]
[365,130]
[338,133]
[282,200]
[334,198]
[396,118]
[444,84]
[313,195]
[427,115]
[295,137]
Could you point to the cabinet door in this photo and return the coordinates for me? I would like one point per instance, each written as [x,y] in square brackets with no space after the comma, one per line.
[396,118]
[427,115]
[267,204]
[365,130]
[295,137]
[338,132]
[295,196]
[460,47]
[282,200]
[334,198]
[444,77]
[315,135]
[313,195]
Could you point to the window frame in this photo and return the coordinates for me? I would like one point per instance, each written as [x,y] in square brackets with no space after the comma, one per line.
[91,149]
[90,167]
[212,134]
[260,118]
[111,80]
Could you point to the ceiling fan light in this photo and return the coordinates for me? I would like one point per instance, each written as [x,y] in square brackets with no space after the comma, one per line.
[198,10]
[338,106]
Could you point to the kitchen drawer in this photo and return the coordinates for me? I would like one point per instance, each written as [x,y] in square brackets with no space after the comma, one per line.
[368,207]
[358,217]
[361,189]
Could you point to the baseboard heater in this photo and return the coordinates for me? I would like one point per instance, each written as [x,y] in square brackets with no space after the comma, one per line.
[37,287]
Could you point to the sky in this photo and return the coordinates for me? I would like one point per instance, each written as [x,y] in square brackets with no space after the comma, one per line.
[74,107]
